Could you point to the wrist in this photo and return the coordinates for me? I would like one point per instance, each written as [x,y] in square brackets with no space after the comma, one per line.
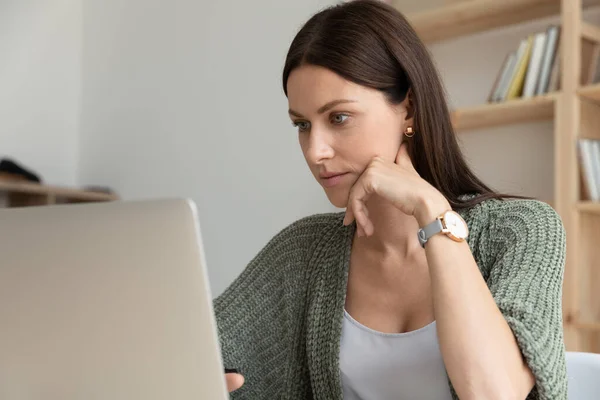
[430,208]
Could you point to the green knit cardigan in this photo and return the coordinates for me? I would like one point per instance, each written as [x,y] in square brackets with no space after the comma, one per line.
[280,321]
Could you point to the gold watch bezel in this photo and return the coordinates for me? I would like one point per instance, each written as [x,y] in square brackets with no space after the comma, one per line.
[448,232]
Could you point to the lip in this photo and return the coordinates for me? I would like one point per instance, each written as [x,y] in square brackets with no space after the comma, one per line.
[332,178]
[326,175]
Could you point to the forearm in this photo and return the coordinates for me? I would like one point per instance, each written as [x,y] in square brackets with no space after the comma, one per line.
[480,352]
[482,357]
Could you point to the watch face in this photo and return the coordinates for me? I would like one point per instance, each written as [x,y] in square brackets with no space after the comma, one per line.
[456,226]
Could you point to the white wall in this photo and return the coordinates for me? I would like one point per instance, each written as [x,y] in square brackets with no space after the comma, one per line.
[40,76]
[184,99]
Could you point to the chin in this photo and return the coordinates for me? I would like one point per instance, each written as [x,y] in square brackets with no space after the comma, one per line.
[339,198]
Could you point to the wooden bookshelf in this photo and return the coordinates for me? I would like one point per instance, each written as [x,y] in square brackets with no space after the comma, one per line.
[20,194]
[590,92]
[473,16]
[588,326]
[588,207]
[509,112]
[575,111]
[590,32]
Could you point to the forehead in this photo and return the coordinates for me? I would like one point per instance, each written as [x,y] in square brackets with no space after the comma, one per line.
[309,87]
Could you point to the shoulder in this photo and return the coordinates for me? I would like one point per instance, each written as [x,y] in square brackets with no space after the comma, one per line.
[514,216]
[315,223]
[303,234]
[515,226]
[285,254]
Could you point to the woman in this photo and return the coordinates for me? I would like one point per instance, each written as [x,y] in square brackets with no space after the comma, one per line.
[366,304]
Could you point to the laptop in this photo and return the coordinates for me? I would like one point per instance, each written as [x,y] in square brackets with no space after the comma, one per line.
[106,301]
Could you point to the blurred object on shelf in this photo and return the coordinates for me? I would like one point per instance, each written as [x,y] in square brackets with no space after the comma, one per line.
[99,189]
[11,170]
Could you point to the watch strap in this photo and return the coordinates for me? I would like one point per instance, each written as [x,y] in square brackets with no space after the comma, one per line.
[429,230]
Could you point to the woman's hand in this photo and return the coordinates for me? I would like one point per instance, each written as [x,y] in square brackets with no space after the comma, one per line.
[234,381]
[399,183]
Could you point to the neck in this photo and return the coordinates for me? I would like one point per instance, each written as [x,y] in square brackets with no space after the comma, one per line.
[395,233]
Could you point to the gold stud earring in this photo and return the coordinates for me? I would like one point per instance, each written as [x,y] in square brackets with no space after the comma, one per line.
[409,132]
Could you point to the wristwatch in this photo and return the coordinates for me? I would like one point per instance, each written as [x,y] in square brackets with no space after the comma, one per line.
[449,223]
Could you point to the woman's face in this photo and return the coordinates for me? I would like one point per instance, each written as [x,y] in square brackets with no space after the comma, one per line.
[342,126]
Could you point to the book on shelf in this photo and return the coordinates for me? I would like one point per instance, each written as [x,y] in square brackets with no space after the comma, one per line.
[533,69]
[516,85]
[514,59]
[589,157]
[549,60]
[500,83]
[528,70]
[554,83]
[535,65]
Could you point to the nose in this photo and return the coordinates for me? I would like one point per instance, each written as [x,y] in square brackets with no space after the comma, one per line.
[319,146]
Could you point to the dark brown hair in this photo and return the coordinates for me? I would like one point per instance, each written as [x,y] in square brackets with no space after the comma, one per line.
[372,44]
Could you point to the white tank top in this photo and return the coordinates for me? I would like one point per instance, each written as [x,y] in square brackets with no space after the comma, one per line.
[381,366]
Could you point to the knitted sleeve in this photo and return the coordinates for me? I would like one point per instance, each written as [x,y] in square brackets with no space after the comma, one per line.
[526,250]
[257,314]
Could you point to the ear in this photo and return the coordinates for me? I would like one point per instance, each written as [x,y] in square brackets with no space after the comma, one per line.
[410,106]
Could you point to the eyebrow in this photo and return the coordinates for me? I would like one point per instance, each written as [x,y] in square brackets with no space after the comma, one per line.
[324,108]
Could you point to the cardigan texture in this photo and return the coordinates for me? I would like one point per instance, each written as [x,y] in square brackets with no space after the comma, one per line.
[280,321]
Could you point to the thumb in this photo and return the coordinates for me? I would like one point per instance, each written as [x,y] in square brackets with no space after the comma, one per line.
[234,381]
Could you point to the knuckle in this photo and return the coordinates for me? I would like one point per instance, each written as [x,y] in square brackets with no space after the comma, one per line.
[372,185]
[370,174]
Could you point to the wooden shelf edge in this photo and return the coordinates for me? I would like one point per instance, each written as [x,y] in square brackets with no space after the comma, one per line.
[588,207]
[460,19]
[506,113]
[590,92]
[55,191]
[590,32]
[585,325]
[469,17]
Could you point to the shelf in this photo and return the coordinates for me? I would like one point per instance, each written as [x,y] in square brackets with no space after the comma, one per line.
[589,207]
[590,32]
[590,92]
[506,113]
[55,191]
[587,326]
[474,16]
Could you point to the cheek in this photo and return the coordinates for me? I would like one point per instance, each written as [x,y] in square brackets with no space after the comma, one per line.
[387,143]
[381,143]
[303,145]
[379,135]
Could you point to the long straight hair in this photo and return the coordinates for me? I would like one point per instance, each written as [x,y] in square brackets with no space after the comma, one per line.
[372,44]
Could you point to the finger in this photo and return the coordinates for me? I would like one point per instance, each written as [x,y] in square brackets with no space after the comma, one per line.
[359,192]
[359,231]
[362,218]
[359,218]
[234,381]
[365,210]
[351,210]
[349,216]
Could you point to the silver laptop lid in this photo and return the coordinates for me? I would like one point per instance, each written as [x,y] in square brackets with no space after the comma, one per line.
[106,301]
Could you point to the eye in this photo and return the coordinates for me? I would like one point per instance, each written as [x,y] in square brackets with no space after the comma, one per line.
[339,119]
[302,126]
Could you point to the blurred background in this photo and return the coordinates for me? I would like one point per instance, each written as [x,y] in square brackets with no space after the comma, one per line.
[148,99]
